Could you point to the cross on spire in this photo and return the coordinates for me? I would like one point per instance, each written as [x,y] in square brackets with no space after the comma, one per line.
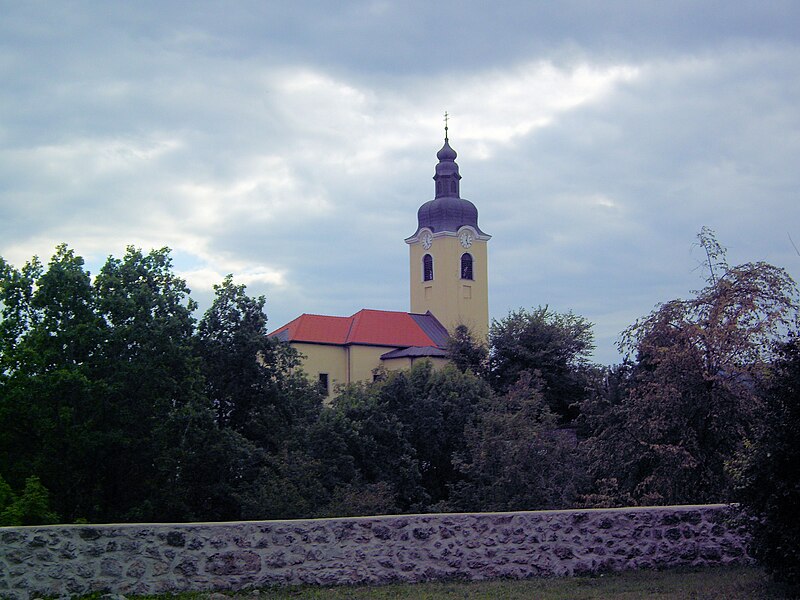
[446,117]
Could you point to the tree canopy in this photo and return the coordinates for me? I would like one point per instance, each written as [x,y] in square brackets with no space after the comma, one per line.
[553,347]
[693,394]
[767,473]
[117,404]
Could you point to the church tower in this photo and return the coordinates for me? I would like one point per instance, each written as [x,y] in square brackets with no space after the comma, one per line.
[448,255]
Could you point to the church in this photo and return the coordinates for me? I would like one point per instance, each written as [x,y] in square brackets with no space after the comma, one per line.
[448,285]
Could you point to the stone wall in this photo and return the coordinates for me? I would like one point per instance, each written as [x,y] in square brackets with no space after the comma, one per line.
[138,559]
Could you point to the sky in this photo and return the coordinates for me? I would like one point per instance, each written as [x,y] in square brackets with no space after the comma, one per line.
[291,143]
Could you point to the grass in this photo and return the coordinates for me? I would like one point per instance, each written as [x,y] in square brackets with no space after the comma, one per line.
[722,583]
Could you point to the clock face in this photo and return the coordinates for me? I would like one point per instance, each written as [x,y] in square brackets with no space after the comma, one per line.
[427,240]
[465,237]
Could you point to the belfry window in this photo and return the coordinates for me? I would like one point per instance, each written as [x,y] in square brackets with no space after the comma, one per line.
[427,268]
[466,266]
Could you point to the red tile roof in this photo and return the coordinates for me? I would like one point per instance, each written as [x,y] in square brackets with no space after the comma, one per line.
[317,328]
[366,327]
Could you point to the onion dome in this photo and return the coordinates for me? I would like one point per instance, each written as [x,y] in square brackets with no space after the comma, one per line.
[446,153]
[447,211]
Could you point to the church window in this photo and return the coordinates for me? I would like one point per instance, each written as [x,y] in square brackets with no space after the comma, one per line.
[427,268]
[323,384]
[466,266]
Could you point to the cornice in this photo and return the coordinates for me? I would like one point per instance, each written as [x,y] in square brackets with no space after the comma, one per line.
[483,237]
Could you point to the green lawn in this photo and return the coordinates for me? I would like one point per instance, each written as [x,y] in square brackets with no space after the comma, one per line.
[739,583]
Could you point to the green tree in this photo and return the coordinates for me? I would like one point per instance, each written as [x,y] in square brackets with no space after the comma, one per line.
[692,395]
[433,408]
[30,507]
[290,484]
[768,471]
[49,340]
[148,371]
[553,347]
[260,396]
[92,377]
[360,499]
[466,353]
[204,471]
[389,445]
[6,495]
[516,457]
[363,445]
[108,397]
[253,381]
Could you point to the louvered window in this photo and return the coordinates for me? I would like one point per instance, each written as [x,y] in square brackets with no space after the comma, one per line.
[427,268]
[466,266]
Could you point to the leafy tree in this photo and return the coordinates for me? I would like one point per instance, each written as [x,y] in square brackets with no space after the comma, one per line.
[259,396]
[607,387]
[516,456]
[768,472]
[6,494]
[108,397]
[693,390]
[92,377]
[364,446]
[289,485]
[148,372]
[466,353]
[252,381]
[433,408]
[30,507]
[204,471]
[49,341]
[389,445]
[149,314]
[554,347]
[359,499]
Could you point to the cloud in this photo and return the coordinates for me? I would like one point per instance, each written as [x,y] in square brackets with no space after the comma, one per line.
[206,278]
[291,145]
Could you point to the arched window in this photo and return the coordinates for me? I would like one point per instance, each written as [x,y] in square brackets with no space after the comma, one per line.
[466,266]
[427,268]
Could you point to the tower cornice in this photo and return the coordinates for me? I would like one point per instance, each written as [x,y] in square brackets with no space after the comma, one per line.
[479,235]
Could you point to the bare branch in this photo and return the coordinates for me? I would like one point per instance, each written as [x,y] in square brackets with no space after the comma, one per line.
[793,244]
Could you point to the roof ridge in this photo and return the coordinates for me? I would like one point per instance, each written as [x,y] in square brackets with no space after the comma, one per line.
[380,310]
[352,318]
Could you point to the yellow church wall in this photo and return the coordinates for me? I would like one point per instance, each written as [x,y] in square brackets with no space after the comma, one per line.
[452,300]
[406,362]
[438,363]
[397,364]
[348,364]
[363,359]
[323,358]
